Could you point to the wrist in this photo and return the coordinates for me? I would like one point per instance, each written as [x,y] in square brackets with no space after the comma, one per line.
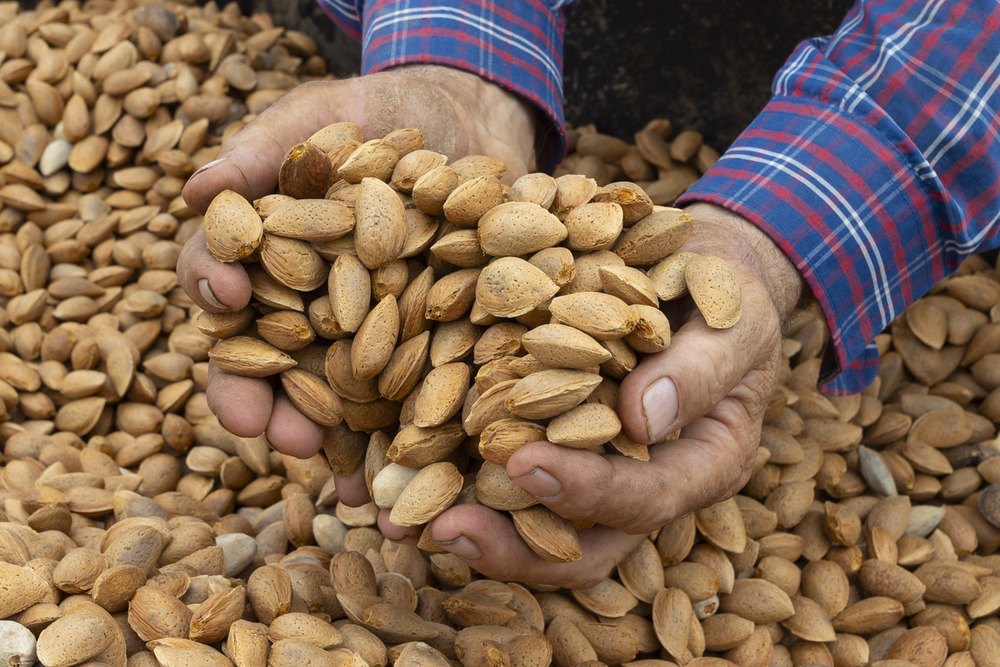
[748,250]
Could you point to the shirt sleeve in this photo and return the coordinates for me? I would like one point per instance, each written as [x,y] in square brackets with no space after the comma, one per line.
[517,44]
[876,164]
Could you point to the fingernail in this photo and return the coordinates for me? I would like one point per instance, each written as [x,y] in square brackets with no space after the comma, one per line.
[208,295]
[659,403]
[463,548]
[539,483]
[208,166]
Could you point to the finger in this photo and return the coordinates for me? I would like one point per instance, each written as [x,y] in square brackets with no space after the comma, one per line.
[242,404]
[488,542]
[213,285]
[711,462]
[249,162]
[702,365]
[404,534]
[351,489]
[291,432]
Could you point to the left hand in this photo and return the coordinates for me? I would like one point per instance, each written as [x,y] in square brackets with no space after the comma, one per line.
[712,384]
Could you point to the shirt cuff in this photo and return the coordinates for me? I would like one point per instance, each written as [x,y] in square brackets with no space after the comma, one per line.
[840,198]
[517,44]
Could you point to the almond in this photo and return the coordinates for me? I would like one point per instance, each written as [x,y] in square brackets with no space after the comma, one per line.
[310,220]
[233,230]
[549,393]
[292,263]
[470,200]
[249,357]
[654,237]
[603,316]
[584,426]
[510,286]
[430,492]
[519,228]
[715,290]
[380,231]
[547,534]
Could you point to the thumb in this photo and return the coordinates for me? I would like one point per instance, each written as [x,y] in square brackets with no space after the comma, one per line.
[249,162]
[703,366]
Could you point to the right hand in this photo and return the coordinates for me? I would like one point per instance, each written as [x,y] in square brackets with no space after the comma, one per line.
[459,114]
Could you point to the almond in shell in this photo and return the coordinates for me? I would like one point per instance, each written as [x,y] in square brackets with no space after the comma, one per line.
[417,446]
[585,426]
[74,638]
[634,202]
[629,284]
[412,166]
[715,290]
[651,333]
[312,396]
[547,534]
[430,492]
[572,190]
[349,287]
[22,588]
[510,286]
[233,230]
[404,368]
[310,219]
[375,158]
[557,263]
[470,200]
[654,237]
[451,296]
[593,226]
[249,357]
[441,395]
[461,248]
[668,275]
[536,187]
[376,339]
[519,228]
[549,393]
[305,172]
[292,263]
[503,437]
[603,316]
[563,346]
[496,490]
[331,135]
[432,189]
[380,230]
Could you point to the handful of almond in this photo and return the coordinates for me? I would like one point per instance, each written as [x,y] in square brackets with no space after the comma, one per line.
[455,316]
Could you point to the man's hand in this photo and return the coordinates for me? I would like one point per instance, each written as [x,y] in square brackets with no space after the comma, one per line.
[459,114]
[711,384]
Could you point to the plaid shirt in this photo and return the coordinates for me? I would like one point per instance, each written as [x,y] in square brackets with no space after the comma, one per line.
[875,166]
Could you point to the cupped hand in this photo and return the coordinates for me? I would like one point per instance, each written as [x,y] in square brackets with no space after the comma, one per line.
[458,113]
[713,385]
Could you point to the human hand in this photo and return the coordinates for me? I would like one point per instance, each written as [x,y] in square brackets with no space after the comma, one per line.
[451,108]
[713,385]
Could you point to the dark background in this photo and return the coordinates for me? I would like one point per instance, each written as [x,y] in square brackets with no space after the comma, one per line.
[706,65]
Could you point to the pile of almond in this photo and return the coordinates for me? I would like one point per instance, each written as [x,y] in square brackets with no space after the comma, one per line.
[136,531]
[457,319]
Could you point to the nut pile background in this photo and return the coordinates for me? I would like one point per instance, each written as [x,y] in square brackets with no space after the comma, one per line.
[135,530]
